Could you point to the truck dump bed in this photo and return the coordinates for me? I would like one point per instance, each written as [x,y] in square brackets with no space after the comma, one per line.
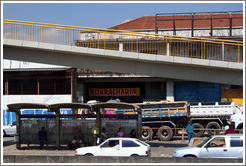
[163,109]
[211,109]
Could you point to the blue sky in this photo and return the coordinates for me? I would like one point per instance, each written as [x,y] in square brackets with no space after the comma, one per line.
[103,15]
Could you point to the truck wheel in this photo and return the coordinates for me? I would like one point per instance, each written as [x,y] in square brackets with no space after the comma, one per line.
[146,133]
[213,125]
[240,126]
[165,133]
[198,133]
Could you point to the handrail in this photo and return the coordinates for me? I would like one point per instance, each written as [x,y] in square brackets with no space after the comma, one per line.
[141,42]
[126,32]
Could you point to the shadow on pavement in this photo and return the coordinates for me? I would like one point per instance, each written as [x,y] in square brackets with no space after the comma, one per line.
[8,142]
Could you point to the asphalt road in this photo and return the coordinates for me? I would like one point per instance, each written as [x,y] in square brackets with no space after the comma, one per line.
[158,148]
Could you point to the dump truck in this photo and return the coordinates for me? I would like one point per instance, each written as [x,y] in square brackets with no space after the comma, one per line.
[161,118]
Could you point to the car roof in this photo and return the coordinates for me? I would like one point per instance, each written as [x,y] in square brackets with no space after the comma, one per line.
[229,135]
[122,138]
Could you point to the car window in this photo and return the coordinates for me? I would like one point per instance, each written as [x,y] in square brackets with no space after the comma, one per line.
[14,123]
[236,142]
[110,143]
[217,142]
[129,143]
[104,145]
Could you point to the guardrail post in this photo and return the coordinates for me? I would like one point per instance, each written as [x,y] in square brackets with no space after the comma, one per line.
[42,34]
[121,47]
[223,51]
[65,36]
[168,48]
[11,31]
[32,32]
[238,53]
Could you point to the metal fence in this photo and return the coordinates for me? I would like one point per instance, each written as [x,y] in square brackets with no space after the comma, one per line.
[149,43]
[210,23]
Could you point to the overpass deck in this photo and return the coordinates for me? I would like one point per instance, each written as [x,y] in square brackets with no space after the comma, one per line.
[128,41]
[180,58]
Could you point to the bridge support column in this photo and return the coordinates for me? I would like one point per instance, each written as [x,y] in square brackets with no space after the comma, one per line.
[74,85]
[170,90]
[81,92]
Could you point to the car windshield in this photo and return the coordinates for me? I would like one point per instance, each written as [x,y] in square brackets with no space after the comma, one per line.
[203,143]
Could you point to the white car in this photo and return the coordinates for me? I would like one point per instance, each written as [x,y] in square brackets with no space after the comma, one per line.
[117,147]
[10,129]
[218,146]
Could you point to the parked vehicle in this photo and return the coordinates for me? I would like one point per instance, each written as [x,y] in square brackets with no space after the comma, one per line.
[219,146]
[238,118]
[9,129]
[117,147]
[168,115]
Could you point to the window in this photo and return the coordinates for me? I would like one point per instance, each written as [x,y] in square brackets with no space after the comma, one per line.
[217,142]
[236,142]
[104,145]
[110,143]
[128,143]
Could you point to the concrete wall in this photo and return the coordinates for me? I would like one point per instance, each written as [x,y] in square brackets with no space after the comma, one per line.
[83,159]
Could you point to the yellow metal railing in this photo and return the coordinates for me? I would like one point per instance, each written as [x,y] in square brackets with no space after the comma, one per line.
[150,43]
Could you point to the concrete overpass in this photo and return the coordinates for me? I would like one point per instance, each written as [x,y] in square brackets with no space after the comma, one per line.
[154,65]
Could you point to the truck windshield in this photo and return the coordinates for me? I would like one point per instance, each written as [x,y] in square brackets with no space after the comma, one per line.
[203,143]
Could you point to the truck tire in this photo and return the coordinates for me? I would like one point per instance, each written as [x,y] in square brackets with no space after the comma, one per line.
[240,127]
[146,133]
[213,125]
[198,133]
[165,133]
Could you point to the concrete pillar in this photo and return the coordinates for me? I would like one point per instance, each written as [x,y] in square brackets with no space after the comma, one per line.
[81,92]
[74,84]
[170,90]
[168,48]
[223,51]
[121,47]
